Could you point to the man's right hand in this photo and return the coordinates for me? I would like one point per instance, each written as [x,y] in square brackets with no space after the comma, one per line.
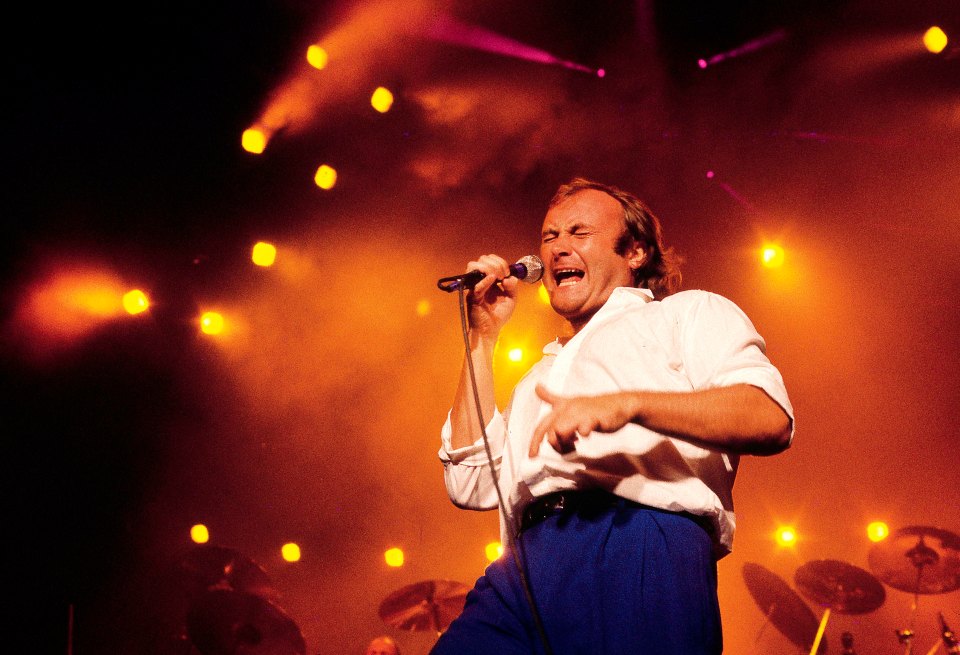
[493,299]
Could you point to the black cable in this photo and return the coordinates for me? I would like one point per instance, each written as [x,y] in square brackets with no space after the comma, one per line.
[508,519]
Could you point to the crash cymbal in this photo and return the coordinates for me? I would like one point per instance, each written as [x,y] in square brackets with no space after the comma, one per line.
[215,567]
[782,606]
[427,605]
[918,559]
[228,622]
[842,587]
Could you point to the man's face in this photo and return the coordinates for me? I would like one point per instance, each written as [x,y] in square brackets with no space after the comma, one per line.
[578,249]
[381,647]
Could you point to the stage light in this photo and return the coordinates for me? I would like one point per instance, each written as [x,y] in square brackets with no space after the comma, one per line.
[211,323]
[393,557]
[317,57]
[935,40]
[253,141]
[135,302]
[771,255]
[199,534]
[878,531]
[326,177]
[515,355]
[786,535]
[423,307]
[264,254]
[290,552]
[544,295]
[493,551]
[382,99]
[601,72]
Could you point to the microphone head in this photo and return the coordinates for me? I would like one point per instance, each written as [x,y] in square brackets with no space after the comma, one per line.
[534,267]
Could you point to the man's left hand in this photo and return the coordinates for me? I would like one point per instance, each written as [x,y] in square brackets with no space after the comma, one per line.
[573,417]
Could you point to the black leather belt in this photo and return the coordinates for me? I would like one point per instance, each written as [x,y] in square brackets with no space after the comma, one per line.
[587,501]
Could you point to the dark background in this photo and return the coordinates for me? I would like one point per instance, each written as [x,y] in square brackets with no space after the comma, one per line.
[316,419]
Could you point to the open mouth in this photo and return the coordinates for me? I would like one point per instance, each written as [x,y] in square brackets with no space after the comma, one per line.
[567,276]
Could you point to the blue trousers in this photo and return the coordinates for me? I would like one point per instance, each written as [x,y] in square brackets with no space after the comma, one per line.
[626,579]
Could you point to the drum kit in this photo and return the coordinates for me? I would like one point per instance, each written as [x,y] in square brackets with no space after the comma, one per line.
[233,607]
[919,560]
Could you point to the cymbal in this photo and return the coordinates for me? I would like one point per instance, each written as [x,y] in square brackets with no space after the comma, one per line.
[215,567]
[427,605]
[842,587]
[918,559]
[228,622]
[782,606]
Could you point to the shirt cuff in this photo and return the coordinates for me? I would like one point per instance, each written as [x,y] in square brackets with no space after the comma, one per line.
[474,454]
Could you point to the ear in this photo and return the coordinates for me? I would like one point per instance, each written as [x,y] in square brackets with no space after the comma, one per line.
[637,257]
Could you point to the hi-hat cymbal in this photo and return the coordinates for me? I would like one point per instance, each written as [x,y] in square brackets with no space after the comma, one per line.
[782,606]
[842,587]
[215,567]
[918,559]
[228,622]
[427,605]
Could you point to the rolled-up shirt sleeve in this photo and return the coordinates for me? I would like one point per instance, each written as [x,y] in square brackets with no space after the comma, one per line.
[466,471]
[721,347]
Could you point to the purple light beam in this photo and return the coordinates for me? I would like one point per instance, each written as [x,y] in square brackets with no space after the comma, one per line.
[451,30]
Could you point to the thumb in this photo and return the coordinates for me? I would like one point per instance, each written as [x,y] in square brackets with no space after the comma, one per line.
[545,393]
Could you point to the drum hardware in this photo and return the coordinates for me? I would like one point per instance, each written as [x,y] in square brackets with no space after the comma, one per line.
[920,560]
[840,587]
[426,605]
[781,606]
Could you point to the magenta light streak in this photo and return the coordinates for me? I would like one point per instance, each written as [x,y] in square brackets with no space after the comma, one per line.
[450,30]
[736,196]
[749,46]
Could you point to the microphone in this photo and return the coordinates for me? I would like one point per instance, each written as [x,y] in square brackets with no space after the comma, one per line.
[528,269]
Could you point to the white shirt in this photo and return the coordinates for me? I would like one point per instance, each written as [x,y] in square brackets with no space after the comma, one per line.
[688,341]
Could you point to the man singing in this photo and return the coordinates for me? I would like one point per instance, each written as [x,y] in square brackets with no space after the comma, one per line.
[617,453]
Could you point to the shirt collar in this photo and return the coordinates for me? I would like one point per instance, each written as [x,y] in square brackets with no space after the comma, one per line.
[620,297]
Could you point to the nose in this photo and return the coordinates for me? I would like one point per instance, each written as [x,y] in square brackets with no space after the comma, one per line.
[558,247]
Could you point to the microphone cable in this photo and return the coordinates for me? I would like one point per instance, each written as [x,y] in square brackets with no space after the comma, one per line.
[508,518]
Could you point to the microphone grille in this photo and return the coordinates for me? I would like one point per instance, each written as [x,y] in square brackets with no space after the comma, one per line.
[534,267]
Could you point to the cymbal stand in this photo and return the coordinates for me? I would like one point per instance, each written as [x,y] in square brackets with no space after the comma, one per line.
[920,555]
[823,626]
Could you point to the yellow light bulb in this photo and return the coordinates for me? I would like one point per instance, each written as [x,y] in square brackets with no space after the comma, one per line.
[393,557]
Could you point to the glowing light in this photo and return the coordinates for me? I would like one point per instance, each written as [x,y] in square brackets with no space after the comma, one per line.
[786,535]
[290,552]
[493,550]
[135,302]
[749,46]
[393,557]
[601,72]
[264,254]
[935,40]
[709,175]
[423,307]
[211,323]
[326,177]
[447,29]
[382,99]
[771,255]
[253,141]
[317,57]
[69,304]
[199,534]
[878,531]
[543,294]
[515,354]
